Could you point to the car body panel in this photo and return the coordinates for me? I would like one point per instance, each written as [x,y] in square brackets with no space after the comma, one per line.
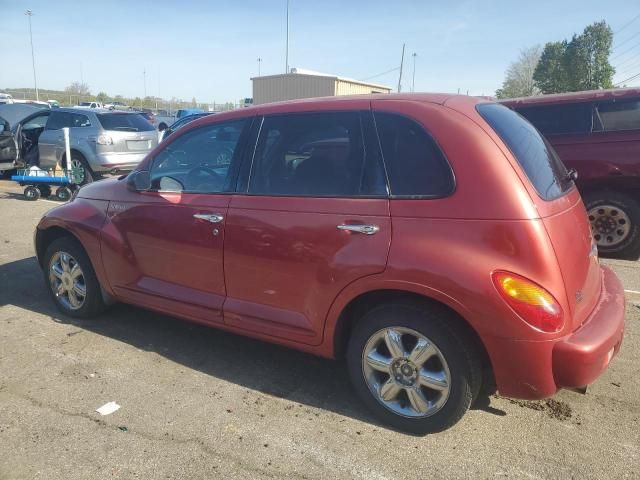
[279,269]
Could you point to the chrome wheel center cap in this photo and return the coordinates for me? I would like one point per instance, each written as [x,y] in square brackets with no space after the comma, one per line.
[404,372]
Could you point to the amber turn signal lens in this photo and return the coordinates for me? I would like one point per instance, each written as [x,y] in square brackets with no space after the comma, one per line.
[530,301]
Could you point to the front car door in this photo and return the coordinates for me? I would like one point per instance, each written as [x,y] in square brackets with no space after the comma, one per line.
[313,219]
[8,146]
[162,248]
[51,142]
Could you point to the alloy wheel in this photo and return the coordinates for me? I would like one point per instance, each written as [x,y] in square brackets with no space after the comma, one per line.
[406,372]
[67,281]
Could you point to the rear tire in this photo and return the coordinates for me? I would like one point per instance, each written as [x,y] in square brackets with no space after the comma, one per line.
[71,279]
[454,364]
[80,165]
[615,223]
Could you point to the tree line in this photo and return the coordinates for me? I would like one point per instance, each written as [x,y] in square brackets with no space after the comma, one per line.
[581,63]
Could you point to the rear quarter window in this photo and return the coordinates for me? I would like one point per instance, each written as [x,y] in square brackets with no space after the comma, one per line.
[617,116]
[415,165]
[533,152]
[124,122]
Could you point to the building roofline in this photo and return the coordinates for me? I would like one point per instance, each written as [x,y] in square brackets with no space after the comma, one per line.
[321,75]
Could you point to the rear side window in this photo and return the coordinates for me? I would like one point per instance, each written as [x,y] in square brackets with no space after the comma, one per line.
[314,154]
[532,151]
[573,118]
[415,165]
[615,116]
[124,122]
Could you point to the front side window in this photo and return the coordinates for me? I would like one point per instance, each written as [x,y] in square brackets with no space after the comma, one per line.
[570,118]
[313,154]
[199,161]
[415,164]
[533,152]
[616,116]
[36,122]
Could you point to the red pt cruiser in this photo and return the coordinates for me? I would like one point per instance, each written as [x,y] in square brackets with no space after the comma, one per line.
[425,238]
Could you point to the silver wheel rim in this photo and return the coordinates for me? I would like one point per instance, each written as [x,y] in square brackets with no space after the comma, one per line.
[406,372]
[78,170]
[67,281]
[610,225]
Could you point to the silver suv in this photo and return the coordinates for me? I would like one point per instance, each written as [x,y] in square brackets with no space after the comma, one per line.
[101,140]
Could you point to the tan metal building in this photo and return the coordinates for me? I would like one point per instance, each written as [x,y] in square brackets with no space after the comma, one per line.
[307,84]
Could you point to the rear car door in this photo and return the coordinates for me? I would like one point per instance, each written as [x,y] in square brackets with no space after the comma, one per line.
[314,218]
[163,247]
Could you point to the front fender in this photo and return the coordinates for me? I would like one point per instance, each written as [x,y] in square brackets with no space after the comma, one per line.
[83,219]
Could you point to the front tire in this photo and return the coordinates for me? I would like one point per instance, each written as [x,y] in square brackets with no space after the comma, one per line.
[71,279]
[413,366]
[615,223]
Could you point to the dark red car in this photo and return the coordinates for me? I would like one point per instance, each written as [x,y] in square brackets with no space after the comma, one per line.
[597,133]
[427,238]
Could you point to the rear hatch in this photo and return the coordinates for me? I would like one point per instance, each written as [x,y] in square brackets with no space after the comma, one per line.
[127,133]
[559,205]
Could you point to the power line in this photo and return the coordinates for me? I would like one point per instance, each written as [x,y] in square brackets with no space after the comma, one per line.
[632,58]
[627,24]
[380,74]
[637,75]
[632,66]
[617,46]
[626,51]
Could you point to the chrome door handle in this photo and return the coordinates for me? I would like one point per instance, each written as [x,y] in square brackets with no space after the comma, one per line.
[213,218]
[366,229]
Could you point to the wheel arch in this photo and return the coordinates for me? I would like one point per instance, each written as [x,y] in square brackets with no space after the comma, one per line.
[44,238]
[358,305]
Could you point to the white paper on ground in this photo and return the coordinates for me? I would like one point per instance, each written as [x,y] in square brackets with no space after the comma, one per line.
[108,408]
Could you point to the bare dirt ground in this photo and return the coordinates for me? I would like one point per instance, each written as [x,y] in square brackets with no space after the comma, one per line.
[199,403]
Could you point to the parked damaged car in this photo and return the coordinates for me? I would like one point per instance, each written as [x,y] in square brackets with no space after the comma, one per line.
[101,141]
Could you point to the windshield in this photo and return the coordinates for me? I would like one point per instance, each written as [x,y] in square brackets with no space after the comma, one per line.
[125,122]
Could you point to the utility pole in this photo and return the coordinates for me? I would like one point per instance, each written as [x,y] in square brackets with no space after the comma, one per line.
[400,76]
[29,14]
[413,80]
[259,62]
[81,74]
[286,55]
[144,80]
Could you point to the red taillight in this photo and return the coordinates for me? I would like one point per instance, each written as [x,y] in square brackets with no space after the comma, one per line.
[533,303]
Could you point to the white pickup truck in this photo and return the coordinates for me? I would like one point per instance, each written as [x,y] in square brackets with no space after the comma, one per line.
[90,105]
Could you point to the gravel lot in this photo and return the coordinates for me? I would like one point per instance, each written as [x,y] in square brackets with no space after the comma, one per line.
[199,403]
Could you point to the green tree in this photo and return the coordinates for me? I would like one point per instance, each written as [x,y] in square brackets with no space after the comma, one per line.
[550,75]
[581,64]
[102,97]
[519,81]
[587,58]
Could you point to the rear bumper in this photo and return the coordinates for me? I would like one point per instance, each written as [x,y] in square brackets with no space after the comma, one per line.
[538,369]
[582,357]
[106,162]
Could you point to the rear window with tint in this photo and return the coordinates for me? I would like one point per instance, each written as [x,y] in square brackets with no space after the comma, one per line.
[415,165]
[573,118]
[614,116]
[536,156]
[124,122]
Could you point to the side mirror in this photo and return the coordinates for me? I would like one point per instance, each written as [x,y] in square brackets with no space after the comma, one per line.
[139,181]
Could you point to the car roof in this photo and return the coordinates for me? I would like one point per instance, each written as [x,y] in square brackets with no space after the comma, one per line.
[574,97]
[342,102]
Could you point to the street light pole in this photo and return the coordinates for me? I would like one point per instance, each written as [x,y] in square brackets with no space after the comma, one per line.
[259,62]
[286,59]
[413,81]
[29,14]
